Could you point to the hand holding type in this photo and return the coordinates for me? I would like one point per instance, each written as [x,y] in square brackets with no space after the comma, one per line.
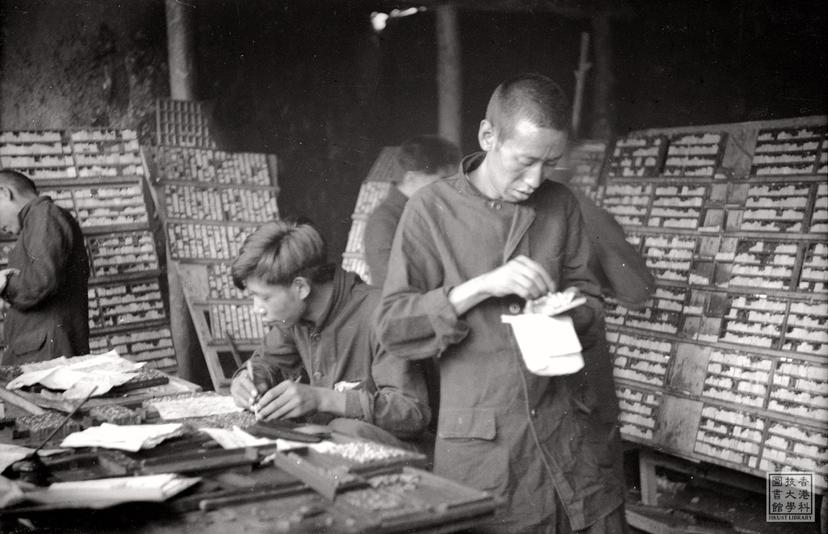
[5,274]
[289,399]
[244,391]
[521,276]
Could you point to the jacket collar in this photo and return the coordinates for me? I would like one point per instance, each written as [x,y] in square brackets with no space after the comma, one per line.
[524,212]
[342,283]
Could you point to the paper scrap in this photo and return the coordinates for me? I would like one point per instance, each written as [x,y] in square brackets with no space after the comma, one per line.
[105,492]
[130,438]
[77,376]
[12,453]
[238,438]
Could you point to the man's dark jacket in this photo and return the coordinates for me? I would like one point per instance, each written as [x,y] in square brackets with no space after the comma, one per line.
[49,314]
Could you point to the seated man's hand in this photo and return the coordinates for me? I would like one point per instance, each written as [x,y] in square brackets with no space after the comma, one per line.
[243,391]
[5,274]
[290,399]
[521,276]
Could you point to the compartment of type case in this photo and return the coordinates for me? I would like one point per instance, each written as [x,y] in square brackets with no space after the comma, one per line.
[763,264]
[125,303]
[640,358]
[796,448]
[677,206]
[182,123]
[110,205]
[738,378]
[638,412]
[670,258]
[730,435]
[106,153]
[755,321]
[220,203]
[153,345]
[814,274]
[238,320]
[371,195]
[122,253]
[694,154]
[775,207]
[806,329]
[819,216]
[206,241]
[40,154]
[215,166]
[628,203]
[800,389]
[636,156]
[785,151]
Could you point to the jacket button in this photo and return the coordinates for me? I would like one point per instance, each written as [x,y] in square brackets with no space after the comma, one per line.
[514,308]
[533,412]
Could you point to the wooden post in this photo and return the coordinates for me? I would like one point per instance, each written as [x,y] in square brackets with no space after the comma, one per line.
[181,55]
[449,75]
[580,81]
[603,122]
[181,48]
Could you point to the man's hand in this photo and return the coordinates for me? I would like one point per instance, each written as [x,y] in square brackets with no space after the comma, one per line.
[5,274]
[244,391]
[290,399]
[521,276]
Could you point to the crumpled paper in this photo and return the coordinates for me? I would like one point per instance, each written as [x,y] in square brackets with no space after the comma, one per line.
[77,376]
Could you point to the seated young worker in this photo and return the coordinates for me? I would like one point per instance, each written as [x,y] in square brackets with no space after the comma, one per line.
[320,320]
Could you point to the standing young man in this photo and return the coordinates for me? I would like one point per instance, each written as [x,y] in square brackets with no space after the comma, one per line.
[471,249]
[46,281]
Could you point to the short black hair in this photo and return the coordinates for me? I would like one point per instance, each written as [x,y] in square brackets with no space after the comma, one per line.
[279,251]
[17,181]
[529,96]
[427,154]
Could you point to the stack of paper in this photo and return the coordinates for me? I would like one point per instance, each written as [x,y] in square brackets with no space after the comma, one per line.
[123,437]
[110,491]
[200,406]
[77,376]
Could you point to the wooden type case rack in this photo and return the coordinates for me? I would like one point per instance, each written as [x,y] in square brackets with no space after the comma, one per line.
[209,202]
[97,175]
[728,364]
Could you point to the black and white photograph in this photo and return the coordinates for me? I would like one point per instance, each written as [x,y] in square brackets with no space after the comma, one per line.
[415,267]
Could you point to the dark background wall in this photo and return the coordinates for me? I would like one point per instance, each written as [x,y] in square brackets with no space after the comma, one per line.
[311,82]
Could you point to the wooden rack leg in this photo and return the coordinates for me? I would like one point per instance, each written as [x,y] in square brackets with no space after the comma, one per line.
[647,475]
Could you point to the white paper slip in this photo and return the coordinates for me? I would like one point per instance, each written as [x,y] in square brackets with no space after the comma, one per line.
[549,345]
[104,492]
[77,376]
[238,438]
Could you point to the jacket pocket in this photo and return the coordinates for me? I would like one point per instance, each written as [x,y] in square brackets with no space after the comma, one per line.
[29,342]
[466,449]
[473,423]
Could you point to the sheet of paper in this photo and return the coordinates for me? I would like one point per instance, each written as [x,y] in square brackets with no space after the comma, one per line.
[104,492]
[238,438]
[123,437]
[549,345]
[77,376]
